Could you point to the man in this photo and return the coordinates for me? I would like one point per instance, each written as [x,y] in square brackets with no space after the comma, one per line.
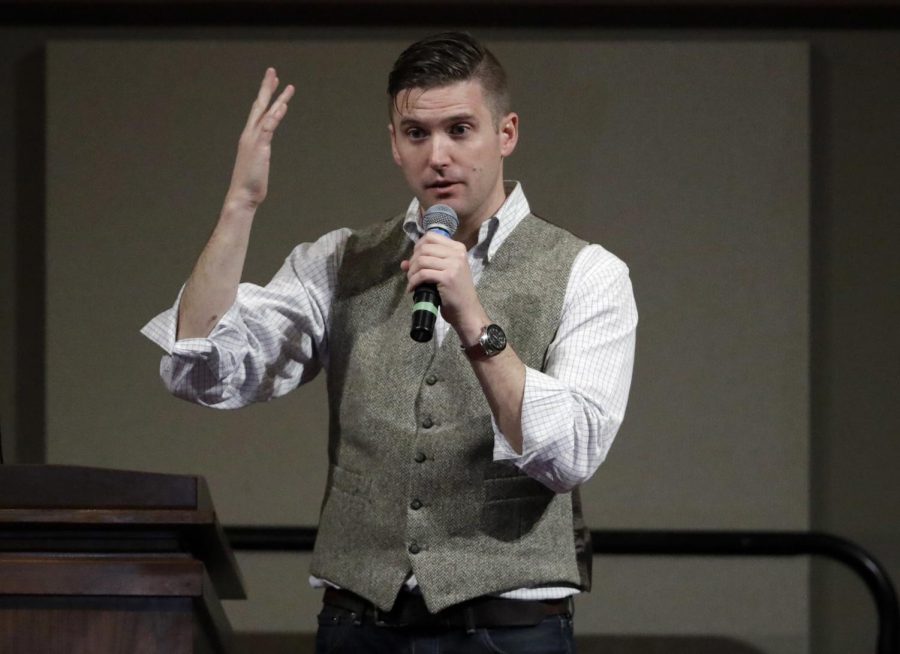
[451,518]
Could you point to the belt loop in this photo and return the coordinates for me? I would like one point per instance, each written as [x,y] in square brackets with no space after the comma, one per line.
[469,614]
[571,603]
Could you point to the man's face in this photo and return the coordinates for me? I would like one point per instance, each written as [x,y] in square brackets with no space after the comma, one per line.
[451,148]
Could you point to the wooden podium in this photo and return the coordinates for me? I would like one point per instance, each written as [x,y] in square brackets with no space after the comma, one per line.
[96,561]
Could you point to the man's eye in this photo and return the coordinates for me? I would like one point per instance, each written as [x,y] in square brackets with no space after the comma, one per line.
[460,130]
[415,133]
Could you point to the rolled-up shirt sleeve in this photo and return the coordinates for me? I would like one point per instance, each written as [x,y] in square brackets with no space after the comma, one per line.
[572,410]
[272,339]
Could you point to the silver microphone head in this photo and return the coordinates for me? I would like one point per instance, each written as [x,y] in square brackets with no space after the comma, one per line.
[441,217]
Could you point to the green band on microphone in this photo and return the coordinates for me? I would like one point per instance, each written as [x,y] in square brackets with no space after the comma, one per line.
[425,306]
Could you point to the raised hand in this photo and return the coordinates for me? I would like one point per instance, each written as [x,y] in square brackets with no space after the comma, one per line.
[250,179]
[213,284]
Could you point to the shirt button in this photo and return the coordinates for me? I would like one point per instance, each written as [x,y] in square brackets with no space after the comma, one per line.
[415,505]
[420,457]
[428,423]
[431,380]
[414,548]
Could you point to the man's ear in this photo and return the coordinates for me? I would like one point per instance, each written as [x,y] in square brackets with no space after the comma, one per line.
[394,150]
[509,134]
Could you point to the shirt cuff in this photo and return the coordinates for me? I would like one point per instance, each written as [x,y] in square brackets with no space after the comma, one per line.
[503,451]
[551,436]
[163,330]
[546,414]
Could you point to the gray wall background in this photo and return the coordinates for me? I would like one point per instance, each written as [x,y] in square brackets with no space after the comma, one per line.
[689,160]
[851,238]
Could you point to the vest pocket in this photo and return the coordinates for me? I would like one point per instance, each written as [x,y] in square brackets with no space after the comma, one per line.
[351,483]
[345,509]
[513,506]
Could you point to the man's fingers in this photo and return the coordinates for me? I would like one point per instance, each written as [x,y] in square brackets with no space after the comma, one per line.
[277,110]
[273,117]
[422,277]
[286,95]
[263,108]
[425,262]
[443,250]
[421,269]
[434,244]
[266,89]
[279,107]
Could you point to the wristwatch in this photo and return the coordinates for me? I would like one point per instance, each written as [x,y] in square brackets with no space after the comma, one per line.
[491,343]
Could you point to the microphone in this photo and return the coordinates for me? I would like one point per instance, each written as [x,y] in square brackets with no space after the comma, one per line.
[426,300]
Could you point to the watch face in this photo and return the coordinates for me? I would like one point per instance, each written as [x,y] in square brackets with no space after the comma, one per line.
[495,339]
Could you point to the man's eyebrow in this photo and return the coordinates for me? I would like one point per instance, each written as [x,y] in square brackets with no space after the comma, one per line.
[456,118]
[459,118]
[408,122]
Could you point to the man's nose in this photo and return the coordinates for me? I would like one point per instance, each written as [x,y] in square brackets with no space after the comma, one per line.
[440,152]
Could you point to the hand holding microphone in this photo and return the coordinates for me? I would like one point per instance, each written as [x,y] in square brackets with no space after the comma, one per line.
[441,220]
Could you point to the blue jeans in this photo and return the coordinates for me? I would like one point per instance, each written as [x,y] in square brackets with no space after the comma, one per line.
[340,633]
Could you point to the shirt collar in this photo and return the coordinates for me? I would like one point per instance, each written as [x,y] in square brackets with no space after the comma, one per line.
[493,231]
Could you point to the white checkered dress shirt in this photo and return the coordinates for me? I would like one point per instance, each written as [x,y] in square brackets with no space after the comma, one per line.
[570,412]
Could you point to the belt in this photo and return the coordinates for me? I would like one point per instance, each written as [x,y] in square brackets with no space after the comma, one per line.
[409,610]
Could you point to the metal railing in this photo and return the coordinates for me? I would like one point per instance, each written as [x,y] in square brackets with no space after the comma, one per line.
[676,543]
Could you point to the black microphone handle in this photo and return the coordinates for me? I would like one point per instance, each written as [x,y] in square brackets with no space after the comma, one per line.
[426,304]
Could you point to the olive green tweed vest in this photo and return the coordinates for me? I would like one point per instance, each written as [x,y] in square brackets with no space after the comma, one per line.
[411,483]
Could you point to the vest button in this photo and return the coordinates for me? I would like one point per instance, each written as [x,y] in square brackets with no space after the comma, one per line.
[431,380]
[428,423]
[415,505]
[420,457]
[414,548]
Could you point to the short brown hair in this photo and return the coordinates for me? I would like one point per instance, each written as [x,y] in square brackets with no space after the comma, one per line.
[448,58]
